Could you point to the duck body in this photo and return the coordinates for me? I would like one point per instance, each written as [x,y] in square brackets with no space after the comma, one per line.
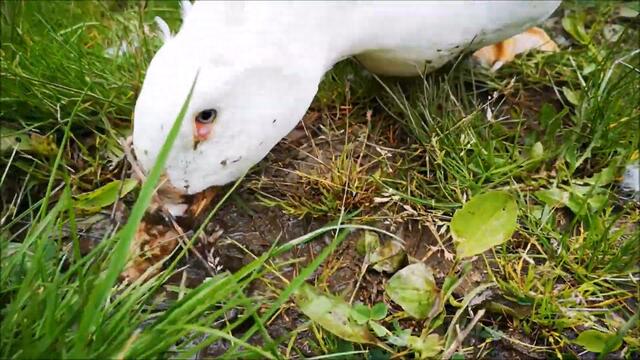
[260,63]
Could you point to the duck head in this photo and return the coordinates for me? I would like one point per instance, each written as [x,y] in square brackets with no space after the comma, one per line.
[242,105]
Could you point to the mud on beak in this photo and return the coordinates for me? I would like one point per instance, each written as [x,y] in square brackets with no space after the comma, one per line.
[180,204]
[157,236]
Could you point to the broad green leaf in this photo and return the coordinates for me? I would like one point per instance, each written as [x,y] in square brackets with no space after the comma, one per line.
[584,199]
[389,257]
[333,314]
[580,199]
[378,329]
[378,311]
[361,313]
[574,96]
[598,200]
[105,195]
[485,221]
[33,143]
[553,197]
[632,340]
[604,177]
[10,139]
[574,25]
[414,289]
[43,145]
[588,68]
[628,10]
[595,341]
[400,337]
[537,151]
[368,243]
[425,346]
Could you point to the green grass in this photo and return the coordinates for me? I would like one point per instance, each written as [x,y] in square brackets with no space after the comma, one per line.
[555,130]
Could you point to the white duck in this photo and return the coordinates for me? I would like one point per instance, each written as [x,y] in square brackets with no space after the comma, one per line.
[260,64]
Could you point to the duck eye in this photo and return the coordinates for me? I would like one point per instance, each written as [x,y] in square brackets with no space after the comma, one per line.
[206,116]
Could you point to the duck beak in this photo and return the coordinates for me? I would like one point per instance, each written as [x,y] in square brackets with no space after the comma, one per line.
[171,198]
[157,235]
[180,204]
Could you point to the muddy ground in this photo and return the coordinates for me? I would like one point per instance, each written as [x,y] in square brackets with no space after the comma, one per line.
[245,225]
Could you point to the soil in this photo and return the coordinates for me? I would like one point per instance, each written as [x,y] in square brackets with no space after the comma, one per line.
[244,228]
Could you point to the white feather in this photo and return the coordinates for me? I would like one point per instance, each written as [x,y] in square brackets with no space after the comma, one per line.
[260,63]
[631,179]
[165,31]
[185,8]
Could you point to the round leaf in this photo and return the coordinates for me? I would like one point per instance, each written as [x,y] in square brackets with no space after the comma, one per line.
[414,289]
[485,221]
[105,195]
[595,341]
[388,258]
[368,243]
[553,197]
[361,313]
[333,314]
[537,150]
[378,329]
[425,346]
[379,311]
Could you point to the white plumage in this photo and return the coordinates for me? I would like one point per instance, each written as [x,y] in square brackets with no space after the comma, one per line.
[631,180]
[260,65]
